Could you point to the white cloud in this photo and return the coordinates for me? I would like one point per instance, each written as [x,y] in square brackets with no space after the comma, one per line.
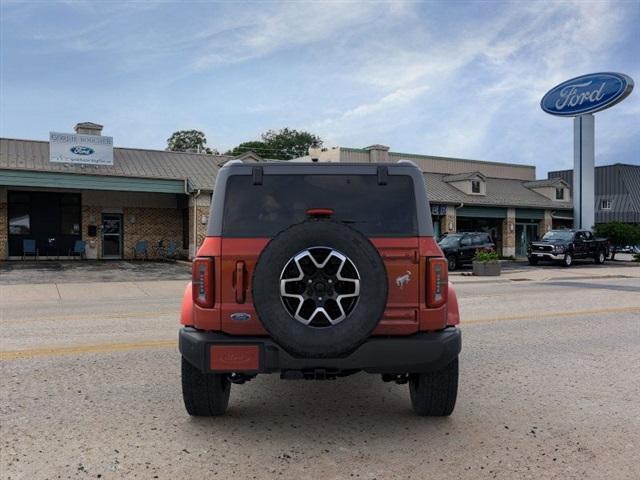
[484,81]
[443,78]
[286,25]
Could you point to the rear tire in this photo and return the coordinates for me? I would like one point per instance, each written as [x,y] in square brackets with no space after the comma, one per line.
[204,394]
[452,263]
[600,257]
[434,394]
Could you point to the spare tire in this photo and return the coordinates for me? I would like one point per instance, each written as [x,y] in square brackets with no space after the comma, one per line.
[319,288]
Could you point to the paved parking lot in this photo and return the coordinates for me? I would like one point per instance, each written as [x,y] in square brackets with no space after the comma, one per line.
[45,271]
[549,383]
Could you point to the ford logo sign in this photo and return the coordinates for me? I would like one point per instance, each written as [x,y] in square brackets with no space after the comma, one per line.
[241,316]
[587,94]
[79,150]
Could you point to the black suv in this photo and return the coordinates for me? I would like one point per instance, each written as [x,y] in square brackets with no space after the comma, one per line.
[459,248]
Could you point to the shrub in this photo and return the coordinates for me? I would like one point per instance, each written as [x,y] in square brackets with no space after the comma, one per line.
[482,256]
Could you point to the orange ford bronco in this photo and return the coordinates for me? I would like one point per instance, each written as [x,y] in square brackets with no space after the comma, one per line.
[318,271]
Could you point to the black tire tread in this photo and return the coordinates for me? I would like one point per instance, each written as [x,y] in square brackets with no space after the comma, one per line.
[434,394]
[204,394]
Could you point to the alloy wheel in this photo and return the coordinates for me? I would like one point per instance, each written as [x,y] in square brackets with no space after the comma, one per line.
[319,287]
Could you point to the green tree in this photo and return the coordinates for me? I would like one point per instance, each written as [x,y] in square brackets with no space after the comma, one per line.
[283,144]
[189,141]
[256,146]
[619,234]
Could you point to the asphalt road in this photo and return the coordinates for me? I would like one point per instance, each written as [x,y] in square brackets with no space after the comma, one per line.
[549,389]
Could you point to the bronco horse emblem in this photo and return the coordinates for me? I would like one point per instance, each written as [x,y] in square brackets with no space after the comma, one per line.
[402,280]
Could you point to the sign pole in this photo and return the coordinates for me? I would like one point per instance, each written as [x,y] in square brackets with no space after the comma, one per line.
[579,98]
[583,171]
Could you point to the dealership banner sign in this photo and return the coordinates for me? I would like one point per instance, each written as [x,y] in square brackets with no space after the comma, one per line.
[80,149]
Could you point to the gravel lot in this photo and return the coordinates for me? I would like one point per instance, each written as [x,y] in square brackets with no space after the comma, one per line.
[549,385]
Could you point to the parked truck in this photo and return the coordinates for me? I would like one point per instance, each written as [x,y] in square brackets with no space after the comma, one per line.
[565,246]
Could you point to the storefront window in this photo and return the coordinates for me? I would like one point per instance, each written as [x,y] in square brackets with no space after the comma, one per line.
[51,219]
[69,220]
[19,218]
[19,221]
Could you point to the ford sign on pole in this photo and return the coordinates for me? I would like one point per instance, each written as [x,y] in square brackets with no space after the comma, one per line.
[580,97]
[77,148]
[587,94]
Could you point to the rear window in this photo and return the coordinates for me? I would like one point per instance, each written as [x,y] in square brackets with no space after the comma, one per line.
[282,200]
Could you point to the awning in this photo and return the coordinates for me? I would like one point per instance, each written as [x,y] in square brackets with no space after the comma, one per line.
[481,212]
[29,178]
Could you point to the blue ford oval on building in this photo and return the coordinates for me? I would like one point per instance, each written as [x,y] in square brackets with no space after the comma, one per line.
[587,94]
[80,150]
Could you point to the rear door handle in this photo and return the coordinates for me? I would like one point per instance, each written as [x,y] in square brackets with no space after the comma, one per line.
[240,285]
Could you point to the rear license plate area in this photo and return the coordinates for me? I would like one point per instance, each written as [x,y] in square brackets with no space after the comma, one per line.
[234,358]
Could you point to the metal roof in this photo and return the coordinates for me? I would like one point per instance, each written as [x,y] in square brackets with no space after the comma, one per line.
[198,168]
[500,192]
[463,176]
[547,182]
[618,183]
[201,171]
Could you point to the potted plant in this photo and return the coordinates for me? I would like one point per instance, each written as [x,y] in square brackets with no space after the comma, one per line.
[486,264]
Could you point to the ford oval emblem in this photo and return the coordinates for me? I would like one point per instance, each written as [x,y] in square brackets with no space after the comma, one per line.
[80,150]
[587,94]
[241,316]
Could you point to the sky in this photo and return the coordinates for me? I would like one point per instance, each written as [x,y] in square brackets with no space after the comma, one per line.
[450,78]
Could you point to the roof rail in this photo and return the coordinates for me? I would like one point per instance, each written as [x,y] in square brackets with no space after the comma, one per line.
[235,161]
[408,162]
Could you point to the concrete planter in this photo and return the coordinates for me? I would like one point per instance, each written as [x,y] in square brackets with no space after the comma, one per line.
[486,269]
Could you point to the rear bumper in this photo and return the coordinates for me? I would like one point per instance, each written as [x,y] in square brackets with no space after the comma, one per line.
[420,352]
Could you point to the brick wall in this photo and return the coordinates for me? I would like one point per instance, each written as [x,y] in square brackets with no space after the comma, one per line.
[92,216]
[203,207]
[545,224]
[509,233]
[152,225]
[448,219]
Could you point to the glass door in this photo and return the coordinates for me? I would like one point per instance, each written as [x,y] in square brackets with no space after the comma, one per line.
[111,235]
[525,233]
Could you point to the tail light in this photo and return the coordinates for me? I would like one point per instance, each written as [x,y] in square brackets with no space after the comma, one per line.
[437,282]
[202,282]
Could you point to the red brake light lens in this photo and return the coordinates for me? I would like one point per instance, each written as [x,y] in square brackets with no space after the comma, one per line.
[437,282]
[202,282]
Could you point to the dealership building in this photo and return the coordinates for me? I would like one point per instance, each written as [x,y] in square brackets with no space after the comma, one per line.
[139,195]
[113,198]
[504,199]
